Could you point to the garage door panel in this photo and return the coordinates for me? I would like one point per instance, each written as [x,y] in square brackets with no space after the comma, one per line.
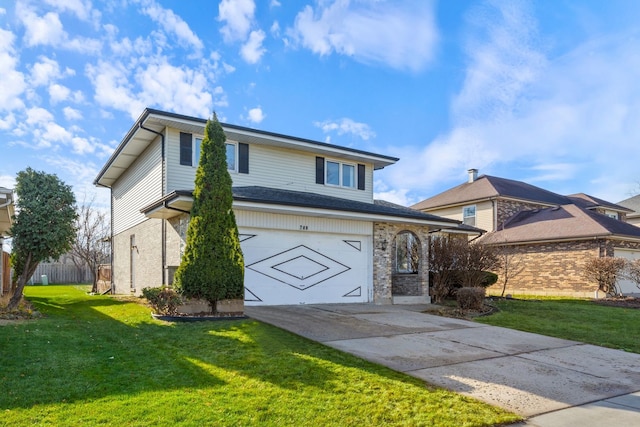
[305,268]
[626,286]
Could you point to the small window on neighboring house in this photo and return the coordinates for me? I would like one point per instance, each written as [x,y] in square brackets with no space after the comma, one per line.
[469,215]
[231,157]
[407,253]
[612,214]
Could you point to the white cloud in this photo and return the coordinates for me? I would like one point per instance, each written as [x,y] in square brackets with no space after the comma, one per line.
[72,114]
[275,29]
[112,88]
[401,35]
[13,82]
[82,9]
[237,16]
[47,30]
[256,115]
[347,126]
[252,50]
[58,93]
[44,71]
[274,3]
[7,122]
[172,23]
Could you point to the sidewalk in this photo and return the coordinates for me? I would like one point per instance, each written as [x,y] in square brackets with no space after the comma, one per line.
[552,382]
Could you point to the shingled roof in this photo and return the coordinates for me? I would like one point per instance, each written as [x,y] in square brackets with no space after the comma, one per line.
[273,196]
[489,187]
[566,222]
[590,202]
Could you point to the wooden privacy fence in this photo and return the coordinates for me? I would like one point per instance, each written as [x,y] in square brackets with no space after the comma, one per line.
[61,273]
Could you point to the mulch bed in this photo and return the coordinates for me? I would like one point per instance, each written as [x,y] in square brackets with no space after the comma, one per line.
[624,302]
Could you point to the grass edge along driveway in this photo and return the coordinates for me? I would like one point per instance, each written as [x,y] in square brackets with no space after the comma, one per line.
[100,360]
[572,319]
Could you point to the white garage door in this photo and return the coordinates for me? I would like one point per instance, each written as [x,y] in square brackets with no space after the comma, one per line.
[285,267]
[627,286]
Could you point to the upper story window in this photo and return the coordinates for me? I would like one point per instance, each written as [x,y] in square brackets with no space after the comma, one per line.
[237,154]
[612,214]
[341,174]
[469,215]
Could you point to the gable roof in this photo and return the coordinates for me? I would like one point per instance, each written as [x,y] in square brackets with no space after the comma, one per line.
[590,202]
[180,202]
[633,203]
[566,222]
[491,187]
[152,122]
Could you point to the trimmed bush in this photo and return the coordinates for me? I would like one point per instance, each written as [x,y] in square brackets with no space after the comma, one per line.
[163,300]
[470,298]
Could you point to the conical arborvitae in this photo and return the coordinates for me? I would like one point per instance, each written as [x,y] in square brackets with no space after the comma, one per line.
[212,267]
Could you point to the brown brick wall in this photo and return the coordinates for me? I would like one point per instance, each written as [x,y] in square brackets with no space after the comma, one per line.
[556,268]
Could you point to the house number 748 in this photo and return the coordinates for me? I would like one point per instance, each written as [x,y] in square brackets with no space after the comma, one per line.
[304,227]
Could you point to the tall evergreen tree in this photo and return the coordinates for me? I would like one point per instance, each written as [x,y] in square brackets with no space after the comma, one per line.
[212,266]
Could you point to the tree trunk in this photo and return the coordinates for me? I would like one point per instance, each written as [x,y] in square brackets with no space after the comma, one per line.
[27,272]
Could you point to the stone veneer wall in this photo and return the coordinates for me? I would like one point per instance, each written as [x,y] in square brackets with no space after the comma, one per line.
[508,208]
[556,268]
[384,249]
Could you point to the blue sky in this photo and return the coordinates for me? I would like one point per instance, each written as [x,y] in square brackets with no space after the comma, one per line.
[546,92]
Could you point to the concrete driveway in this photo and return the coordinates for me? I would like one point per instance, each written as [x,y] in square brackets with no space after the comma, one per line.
[571,382]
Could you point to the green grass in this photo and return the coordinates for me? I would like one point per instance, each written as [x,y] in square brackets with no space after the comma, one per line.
[573,319]
[98,360]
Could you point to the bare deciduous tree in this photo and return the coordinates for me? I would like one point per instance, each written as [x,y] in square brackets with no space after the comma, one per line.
[605,272]
[91,246]
[511,264]
[632,271]
[474,261]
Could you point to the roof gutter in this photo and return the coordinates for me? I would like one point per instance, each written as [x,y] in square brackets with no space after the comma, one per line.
[163,238]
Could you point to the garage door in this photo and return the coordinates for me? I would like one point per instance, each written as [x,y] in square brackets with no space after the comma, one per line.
[627,286]
[285,267]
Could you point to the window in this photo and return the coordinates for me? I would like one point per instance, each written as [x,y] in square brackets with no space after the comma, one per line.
[612,214]
[340,174]
[469,215]
[231,154]
[407,253]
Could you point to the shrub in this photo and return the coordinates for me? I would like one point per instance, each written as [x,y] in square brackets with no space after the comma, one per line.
[163,300]
[605,272]
[633,271]
[489,279]
[470,298]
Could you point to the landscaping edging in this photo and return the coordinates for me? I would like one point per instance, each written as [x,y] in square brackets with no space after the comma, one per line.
[169,318]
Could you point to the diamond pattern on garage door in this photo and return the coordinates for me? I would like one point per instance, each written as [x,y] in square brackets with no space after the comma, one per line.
[299,267]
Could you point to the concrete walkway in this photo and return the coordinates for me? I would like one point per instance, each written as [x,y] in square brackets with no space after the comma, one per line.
[552,382]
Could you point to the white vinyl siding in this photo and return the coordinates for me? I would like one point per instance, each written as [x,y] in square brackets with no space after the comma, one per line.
[268,167]
[139,186]
[271,221]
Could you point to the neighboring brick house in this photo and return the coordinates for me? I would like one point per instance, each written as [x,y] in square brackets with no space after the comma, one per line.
[310,229]
[553,235]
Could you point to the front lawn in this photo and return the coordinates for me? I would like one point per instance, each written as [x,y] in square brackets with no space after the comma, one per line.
[99,360]
[572,319]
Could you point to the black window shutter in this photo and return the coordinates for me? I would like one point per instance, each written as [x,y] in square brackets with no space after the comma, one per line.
[319,170]
[361,179]
[185,148]
[243,158]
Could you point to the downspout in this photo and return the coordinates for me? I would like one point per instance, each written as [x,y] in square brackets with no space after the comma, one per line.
[163,239]
[111,284]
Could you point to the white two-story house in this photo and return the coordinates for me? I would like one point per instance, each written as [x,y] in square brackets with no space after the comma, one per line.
[309,227]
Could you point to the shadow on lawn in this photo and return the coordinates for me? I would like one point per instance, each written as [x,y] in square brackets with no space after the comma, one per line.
[90,347]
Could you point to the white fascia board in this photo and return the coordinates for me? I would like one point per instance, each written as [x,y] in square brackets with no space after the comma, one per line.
[329,213]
